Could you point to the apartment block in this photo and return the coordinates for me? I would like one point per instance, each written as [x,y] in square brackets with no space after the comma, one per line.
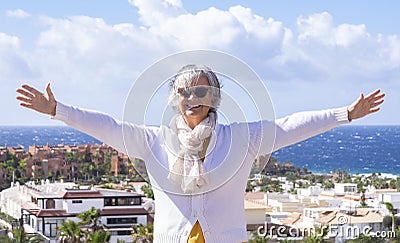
[42,208]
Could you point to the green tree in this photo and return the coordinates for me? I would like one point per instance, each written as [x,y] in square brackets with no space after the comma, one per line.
[259,238]
[328,184]
[100,236]
[390,207]
[19,235]
[387,222]
[5,239]
[379,183]
[366,239]
[147,191]
[142,233]
[70,232]
[71,157]
[317,235]
[398,183]
[95,230]
[90,218]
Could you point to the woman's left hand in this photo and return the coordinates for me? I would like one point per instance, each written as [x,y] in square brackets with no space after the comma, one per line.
[365,105]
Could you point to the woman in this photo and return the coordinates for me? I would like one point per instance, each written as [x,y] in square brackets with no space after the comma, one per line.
[200,198]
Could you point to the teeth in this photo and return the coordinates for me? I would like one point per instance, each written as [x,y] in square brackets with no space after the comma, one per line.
[196,106]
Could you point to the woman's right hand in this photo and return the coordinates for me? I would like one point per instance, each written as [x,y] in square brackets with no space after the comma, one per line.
[36,100]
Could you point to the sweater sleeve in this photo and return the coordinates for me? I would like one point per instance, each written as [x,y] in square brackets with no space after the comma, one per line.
[298,127]
[107,129]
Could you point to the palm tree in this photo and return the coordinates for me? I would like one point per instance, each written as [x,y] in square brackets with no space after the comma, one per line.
[259,238]
[100,236]
[142,233]
[70,232]
[5,239]
[390,207]
[147,191]
[90,218]
[317,235]
[19,235]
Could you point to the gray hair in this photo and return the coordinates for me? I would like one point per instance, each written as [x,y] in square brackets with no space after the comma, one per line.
[187,76]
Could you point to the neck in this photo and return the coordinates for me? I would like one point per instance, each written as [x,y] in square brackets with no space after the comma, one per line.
[192,123]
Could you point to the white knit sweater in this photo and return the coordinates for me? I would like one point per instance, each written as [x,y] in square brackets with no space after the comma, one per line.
[220,210]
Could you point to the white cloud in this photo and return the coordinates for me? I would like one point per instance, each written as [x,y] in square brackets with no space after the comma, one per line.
[18,13]
[153,12]
[393,51]
[101,57]
[13,63]
[316,28]
[324,52]
[318,50]
[346,35]
[93,50]
[257,26]
[7,41]
[237,30]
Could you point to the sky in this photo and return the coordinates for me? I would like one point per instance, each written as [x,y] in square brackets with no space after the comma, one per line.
[309,54]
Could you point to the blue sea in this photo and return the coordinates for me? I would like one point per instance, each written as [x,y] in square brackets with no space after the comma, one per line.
[357,149]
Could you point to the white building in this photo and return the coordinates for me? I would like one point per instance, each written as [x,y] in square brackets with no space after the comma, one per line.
[42,208]
[393,198]
[345,188]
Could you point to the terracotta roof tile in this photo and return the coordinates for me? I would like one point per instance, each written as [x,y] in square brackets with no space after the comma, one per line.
[53,213]
[82,194]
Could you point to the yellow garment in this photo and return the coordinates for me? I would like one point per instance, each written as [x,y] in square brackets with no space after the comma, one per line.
[196,235]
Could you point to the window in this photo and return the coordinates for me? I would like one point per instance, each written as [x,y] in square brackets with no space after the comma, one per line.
[76,201]
[122,201]
[129,201]
[349,189]
[109,201]
[122,220]
[50,229]
[50,204]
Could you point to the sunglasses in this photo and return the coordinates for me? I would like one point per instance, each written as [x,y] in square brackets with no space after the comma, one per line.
[199,92]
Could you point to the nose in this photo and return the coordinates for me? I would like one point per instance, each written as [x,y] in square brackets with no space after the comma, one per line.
[192,96]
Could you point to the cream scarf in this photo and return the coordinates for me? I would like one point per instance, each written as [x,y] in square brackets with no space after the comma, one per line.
[188,169]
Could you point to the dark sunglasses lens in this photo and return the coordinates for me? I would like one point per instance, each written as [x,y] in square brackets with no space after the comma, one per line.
[184,92]
[200,92]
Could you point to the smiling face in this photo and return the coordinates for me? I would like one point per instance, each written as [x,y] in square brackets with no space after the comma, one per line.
[192,106]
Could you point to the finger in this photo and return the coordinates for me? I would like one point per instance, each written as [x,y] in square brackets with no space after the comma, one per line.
[373,110]
[373,94]
[25,93]
[49,92]
[31,89]
[25,100]
[26,105]
[379,96]
[377,103]
[361,97]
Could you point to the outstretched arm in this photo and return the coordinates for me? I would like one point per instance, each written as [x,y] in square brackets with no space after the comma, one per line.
[302,125]
[365,105]
[33,99]
[99,125]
